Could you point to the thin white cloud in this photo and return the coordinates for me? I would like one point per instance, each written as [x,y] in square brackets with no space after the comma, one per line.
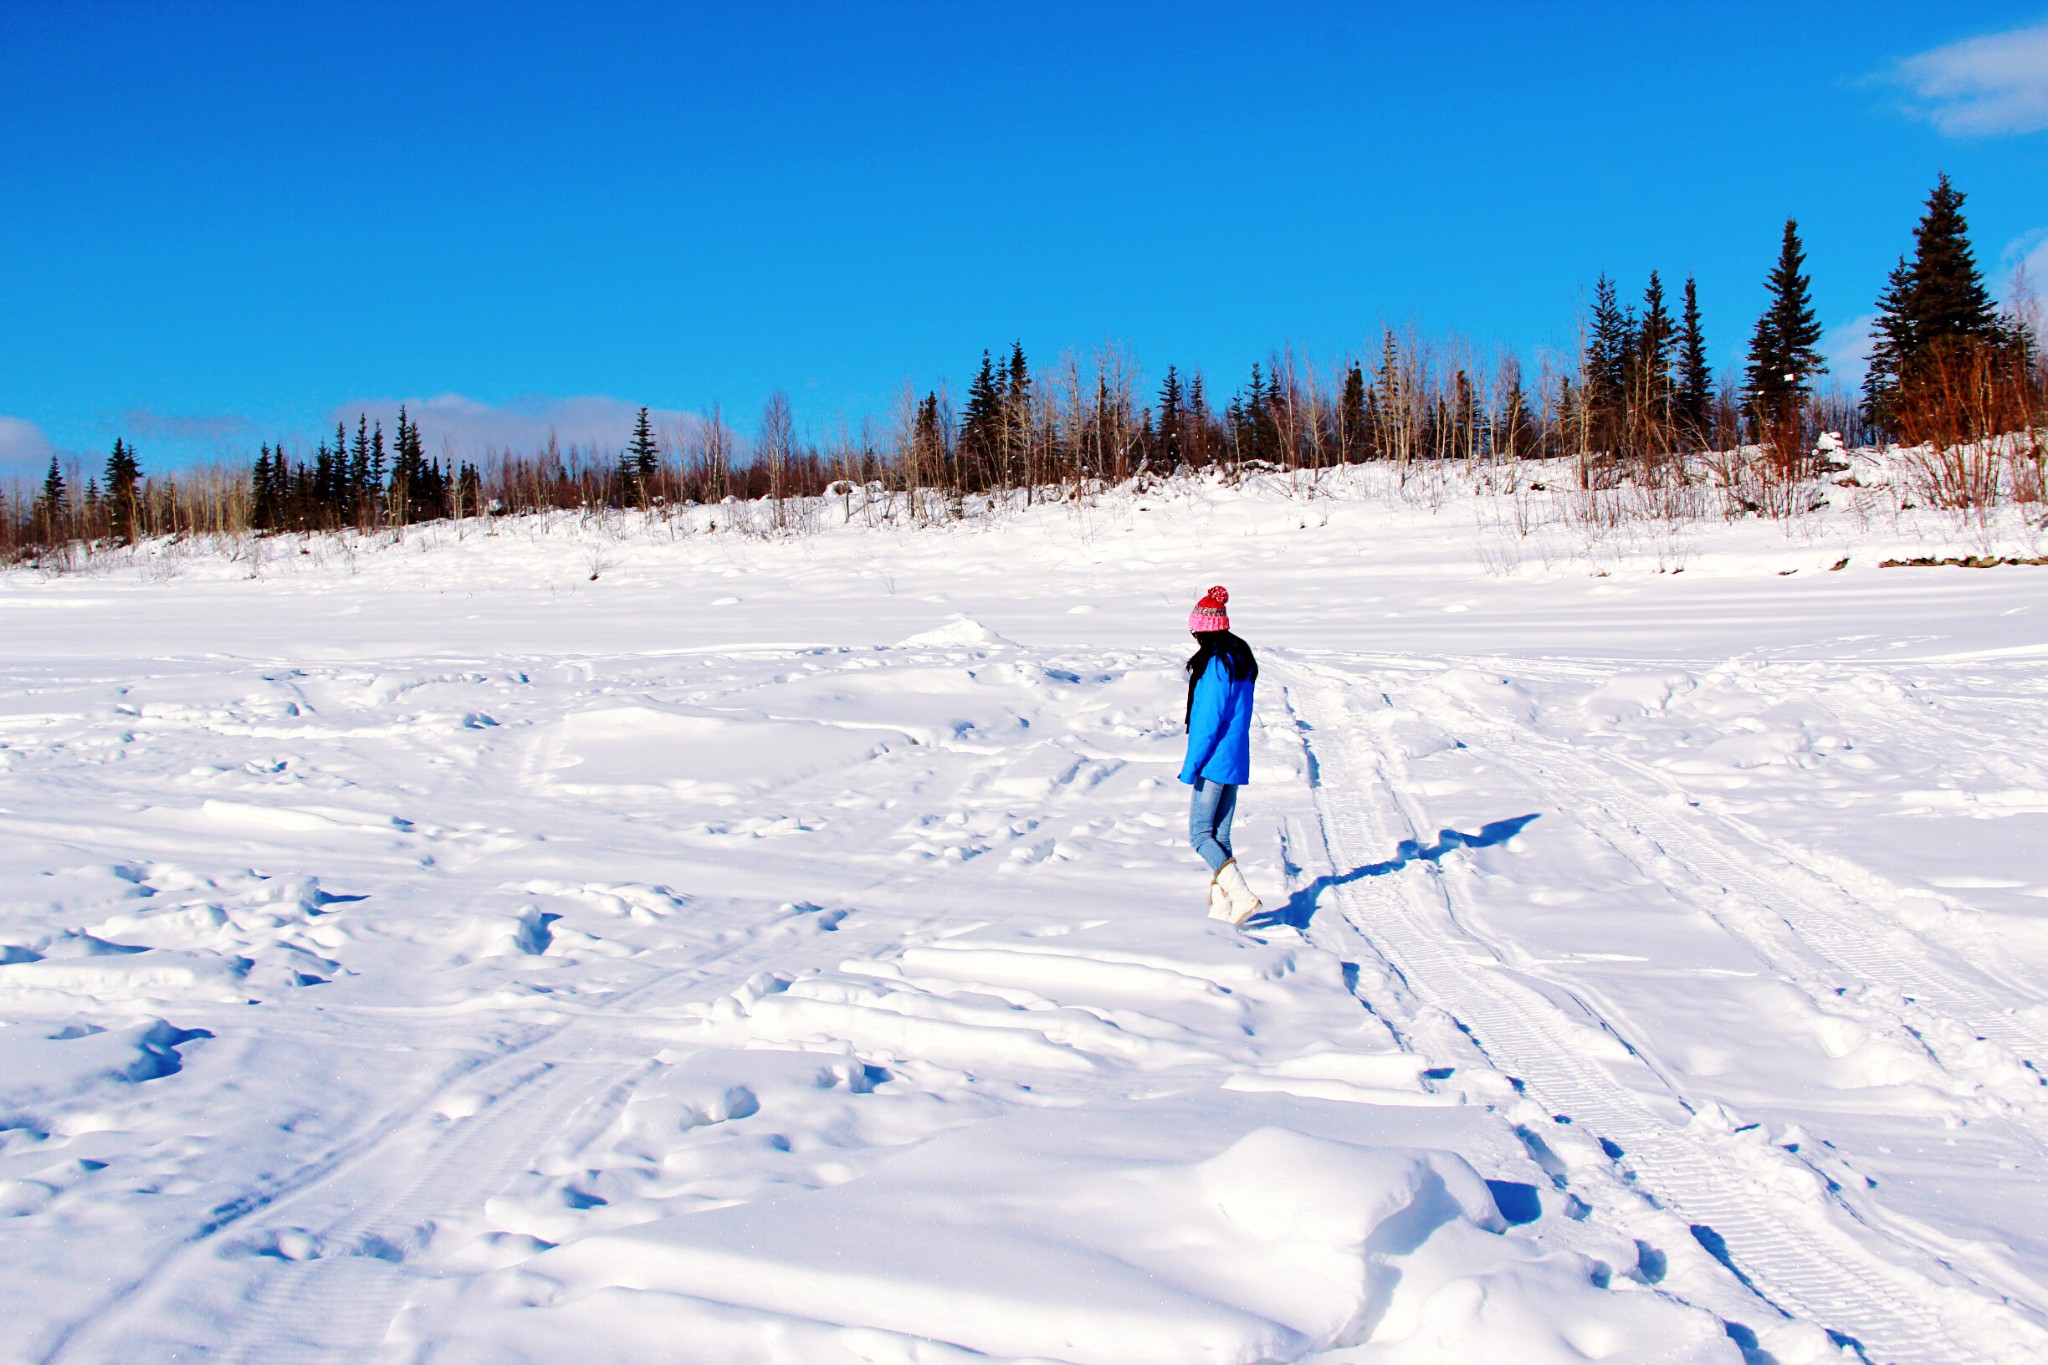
[2028,252]
[1983,87]
[1846,348]
[2025,263]
[222,431]
[464,428]
[24,450]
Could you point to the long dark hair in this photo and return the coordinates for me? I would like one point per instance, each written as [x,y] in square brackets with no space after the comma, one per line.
[1218,644]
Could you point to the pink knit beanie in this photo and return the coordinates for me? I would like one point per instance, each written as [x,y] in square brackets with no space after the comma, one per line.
[1208,613]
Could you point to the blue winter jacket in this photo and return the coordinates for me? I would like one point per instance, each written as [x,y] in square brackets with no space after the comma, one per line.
[1220,727]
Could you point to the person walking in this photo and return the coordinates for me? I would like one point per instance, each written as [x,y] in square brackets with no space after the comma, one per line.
[1221,677]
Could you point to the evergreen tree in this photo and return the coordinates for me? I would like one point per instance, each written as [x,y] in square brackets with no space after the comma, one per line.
[1933,307]
[1016,417]
[350,481]
[1693,398]
[50,506]
[1948,297]
[1783,357]
[1170,438]
[294,490]
[260,485]
[363,484]
[645,452]
[408,470]
[1391,429]
[1462,420]
[124,474]
[928,442]
[433,498]
[1655,337]
[328,486]
[469,490]
[1201,424]
[1017,386]
[1892,346]
[1511,425]
[1351,419]
[1606,364]
[981,431]
[1251,420]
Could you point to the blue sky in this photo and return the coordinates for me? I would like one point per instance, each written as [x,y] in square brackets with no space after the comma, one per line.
[221,224]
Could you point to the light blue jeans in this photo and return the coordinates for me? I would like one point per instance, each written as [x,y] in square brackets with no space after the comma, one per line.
[1209,815]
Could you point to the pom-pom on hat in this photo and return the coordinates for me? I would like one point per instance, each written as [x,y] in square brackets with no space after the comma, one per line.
[1208,613]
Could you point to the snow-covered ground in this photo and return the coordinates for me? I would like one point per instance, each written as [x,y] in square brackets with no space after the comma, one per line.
[787,949]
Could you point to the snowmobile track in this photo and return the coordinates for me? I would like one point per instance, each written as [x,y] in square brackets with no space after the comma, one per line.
[364,1204]
[1859,941]
[1795,1261]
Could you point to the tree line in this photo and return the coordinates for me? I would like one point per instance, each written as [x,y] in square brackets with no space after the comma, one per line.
[1633,402]
[355,483]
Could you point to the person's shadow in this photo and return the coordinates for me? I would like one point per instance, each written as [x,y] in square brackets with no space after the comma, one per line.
[1301,906]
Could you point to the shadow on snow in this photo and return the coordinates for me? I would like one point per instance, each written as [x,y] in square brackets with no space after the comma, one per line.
[1301,906]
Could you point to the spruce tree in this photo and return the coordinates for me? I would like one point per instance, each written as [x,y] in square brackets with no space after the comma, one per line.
[363,493]
[1351,415]
[1783,354]
[1948,297]
[377,461]
[295,490]
[349,483]
[124,473]
[407,468]
[1201,423]
[1390,431]
[327,486]
[1170,437]
[1606,364]
[1933,307]
[433,496]
[1251,418]
[928,442]
[1893,346]
[1511,424]
[1650,383]
[50,507]
[1656,336]
[981,430]
[259,492]
[1017,386]
[1463,425]
[1693,399]
[644,453]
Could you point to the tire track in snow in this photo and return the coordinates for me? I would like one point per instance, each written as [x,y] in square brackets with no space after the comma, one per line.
[365,1200]
[1799,1263]
[338,1305]
[1858,939]
[1820,910]
[1826,942]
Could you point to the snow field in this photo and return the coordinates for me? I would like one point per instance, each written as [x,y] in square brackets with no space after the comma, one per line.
[542,966]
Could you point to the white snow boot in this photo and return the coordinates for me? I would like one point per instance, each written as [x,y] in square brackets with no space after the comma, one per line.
[1219,901]
[1239,902]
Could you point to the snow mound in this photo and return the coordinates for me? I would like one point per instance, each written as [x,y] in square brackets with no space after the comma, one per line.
[960,632]
[1036,1237]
